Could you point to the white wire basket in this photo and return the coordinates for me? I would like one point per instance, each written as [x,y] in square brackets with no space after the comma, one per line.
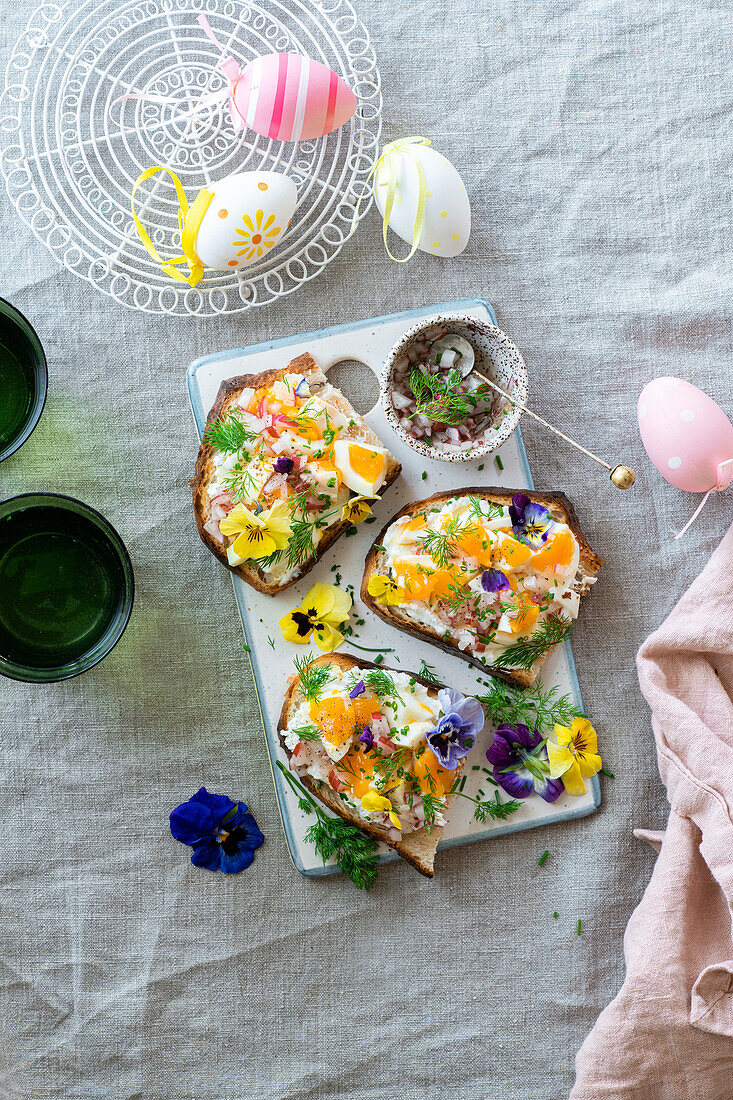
[70,154]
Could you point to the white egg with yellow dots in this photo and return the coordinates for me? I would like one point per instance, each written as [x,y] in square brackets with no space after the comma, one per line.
[246,218]
[446,222]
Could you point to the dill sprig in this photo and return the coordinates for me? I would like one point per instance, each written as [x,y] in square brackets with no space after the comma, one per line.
[536,707]
[313,677]
[427,673]
[377,680]
[442,545]
[227,433]
[354,850]
[476,509]
[391,765]
[308,732]
[490,809]
[438,397]
[431,804]
[526,651]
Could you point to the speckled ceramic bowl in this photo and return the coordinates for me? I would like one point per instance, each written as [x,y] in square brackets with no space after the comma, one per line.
[496,356]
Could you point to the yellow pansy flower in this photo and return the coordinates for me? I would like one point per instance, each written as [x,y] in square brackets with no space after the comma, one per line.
[377,803]
[385,590]
[574,754]
[357,509]
[322,610]
[259,535]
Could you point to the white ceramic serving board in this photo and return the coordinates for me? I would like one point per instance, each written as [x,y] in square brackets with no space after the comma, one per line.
[272,658]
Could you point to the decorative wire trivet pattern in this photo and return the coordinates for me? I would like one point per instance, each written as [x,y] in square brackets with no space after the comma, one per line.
[70,155]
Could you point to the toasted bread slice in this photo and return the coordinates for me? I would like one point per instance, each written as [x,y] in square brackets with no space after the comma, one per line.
[398,616]
[417,847]
[228,395]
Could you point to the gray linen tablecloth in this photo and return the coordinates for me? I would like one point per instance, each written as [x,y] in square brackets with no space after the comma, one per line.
[594,139]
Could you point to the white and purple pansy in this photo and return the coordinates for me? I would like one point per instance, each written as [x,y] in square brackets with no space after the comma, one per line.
[493,580]
[531,523]
[457,728]
[521,767]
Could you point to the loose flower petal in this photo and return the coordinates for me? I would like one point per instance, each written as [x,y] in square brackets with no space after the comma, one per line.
[493,580]
[386,591]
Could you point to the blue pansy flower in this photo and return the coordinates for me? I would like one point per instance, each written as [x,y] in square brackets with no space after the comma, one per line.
[531,523]
[223,835]
[456,729]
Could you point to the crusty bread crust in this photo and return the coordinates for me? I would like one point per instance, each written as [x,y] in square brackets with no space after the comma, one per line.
[228,394]
[560,508]
[418,848]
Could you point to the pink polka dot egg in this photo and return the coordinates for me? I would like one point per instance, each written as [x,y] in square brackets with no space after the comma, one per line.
[686,435]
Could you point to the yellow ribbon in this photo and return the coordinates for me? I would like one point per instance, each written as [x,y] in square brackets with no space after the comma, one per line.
[389,160]
[189,220]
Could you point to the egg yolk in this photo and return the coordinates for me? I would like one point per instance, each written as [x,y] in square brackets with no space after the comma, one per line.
[476,544]
[415,579]
[364,708]
[515,553]
[356,769]
[334,719]
[527,613]
[557,552]
[366,463]
[426,765]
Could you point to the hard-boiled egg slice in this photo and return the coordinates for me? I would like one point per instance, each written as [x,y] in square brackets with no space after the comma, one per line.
[362,468]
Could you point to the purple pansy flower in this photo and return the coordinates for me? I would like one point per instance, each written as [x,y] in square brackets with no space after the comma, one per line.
[493,580]
[367,737]
[302,389]
[457,728]
[521,767]
[531,523]
[283,465]
[357,690]
[223,835]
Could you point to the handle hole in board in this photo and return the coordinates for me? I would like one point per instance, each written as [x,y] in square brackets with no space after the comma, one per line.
[356,381]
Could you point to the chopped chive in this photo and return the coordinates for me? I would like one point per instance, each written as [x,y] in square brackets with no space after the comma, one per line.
[578,925]
[476,768]
[499,463]
[371,519]
[481,467]
[605,771]
[542,858]
[378,660]
[378,649]
[555,914]
[378,546]
[462,784]
[425,475]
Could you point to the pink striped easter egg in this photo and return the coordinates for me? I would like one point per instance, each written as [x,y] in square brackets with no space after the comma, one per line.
[288,97]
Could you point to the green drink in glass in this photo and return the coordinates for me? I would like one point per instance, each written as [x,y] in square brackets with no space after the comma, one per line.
[23,379]
[66,587]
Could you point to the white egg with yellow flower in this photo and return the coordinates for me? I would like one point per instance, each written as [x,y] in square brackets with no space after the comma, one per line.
[419,172]
[361,467]
[246,218]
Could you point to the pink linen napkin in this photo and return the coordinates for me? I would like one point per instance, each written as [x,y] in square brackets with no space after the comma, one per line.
[668,1035]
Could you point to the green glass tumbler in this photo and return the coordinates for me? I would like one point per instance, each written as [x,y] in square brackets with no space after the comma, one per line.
[23,379]
[66,587]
